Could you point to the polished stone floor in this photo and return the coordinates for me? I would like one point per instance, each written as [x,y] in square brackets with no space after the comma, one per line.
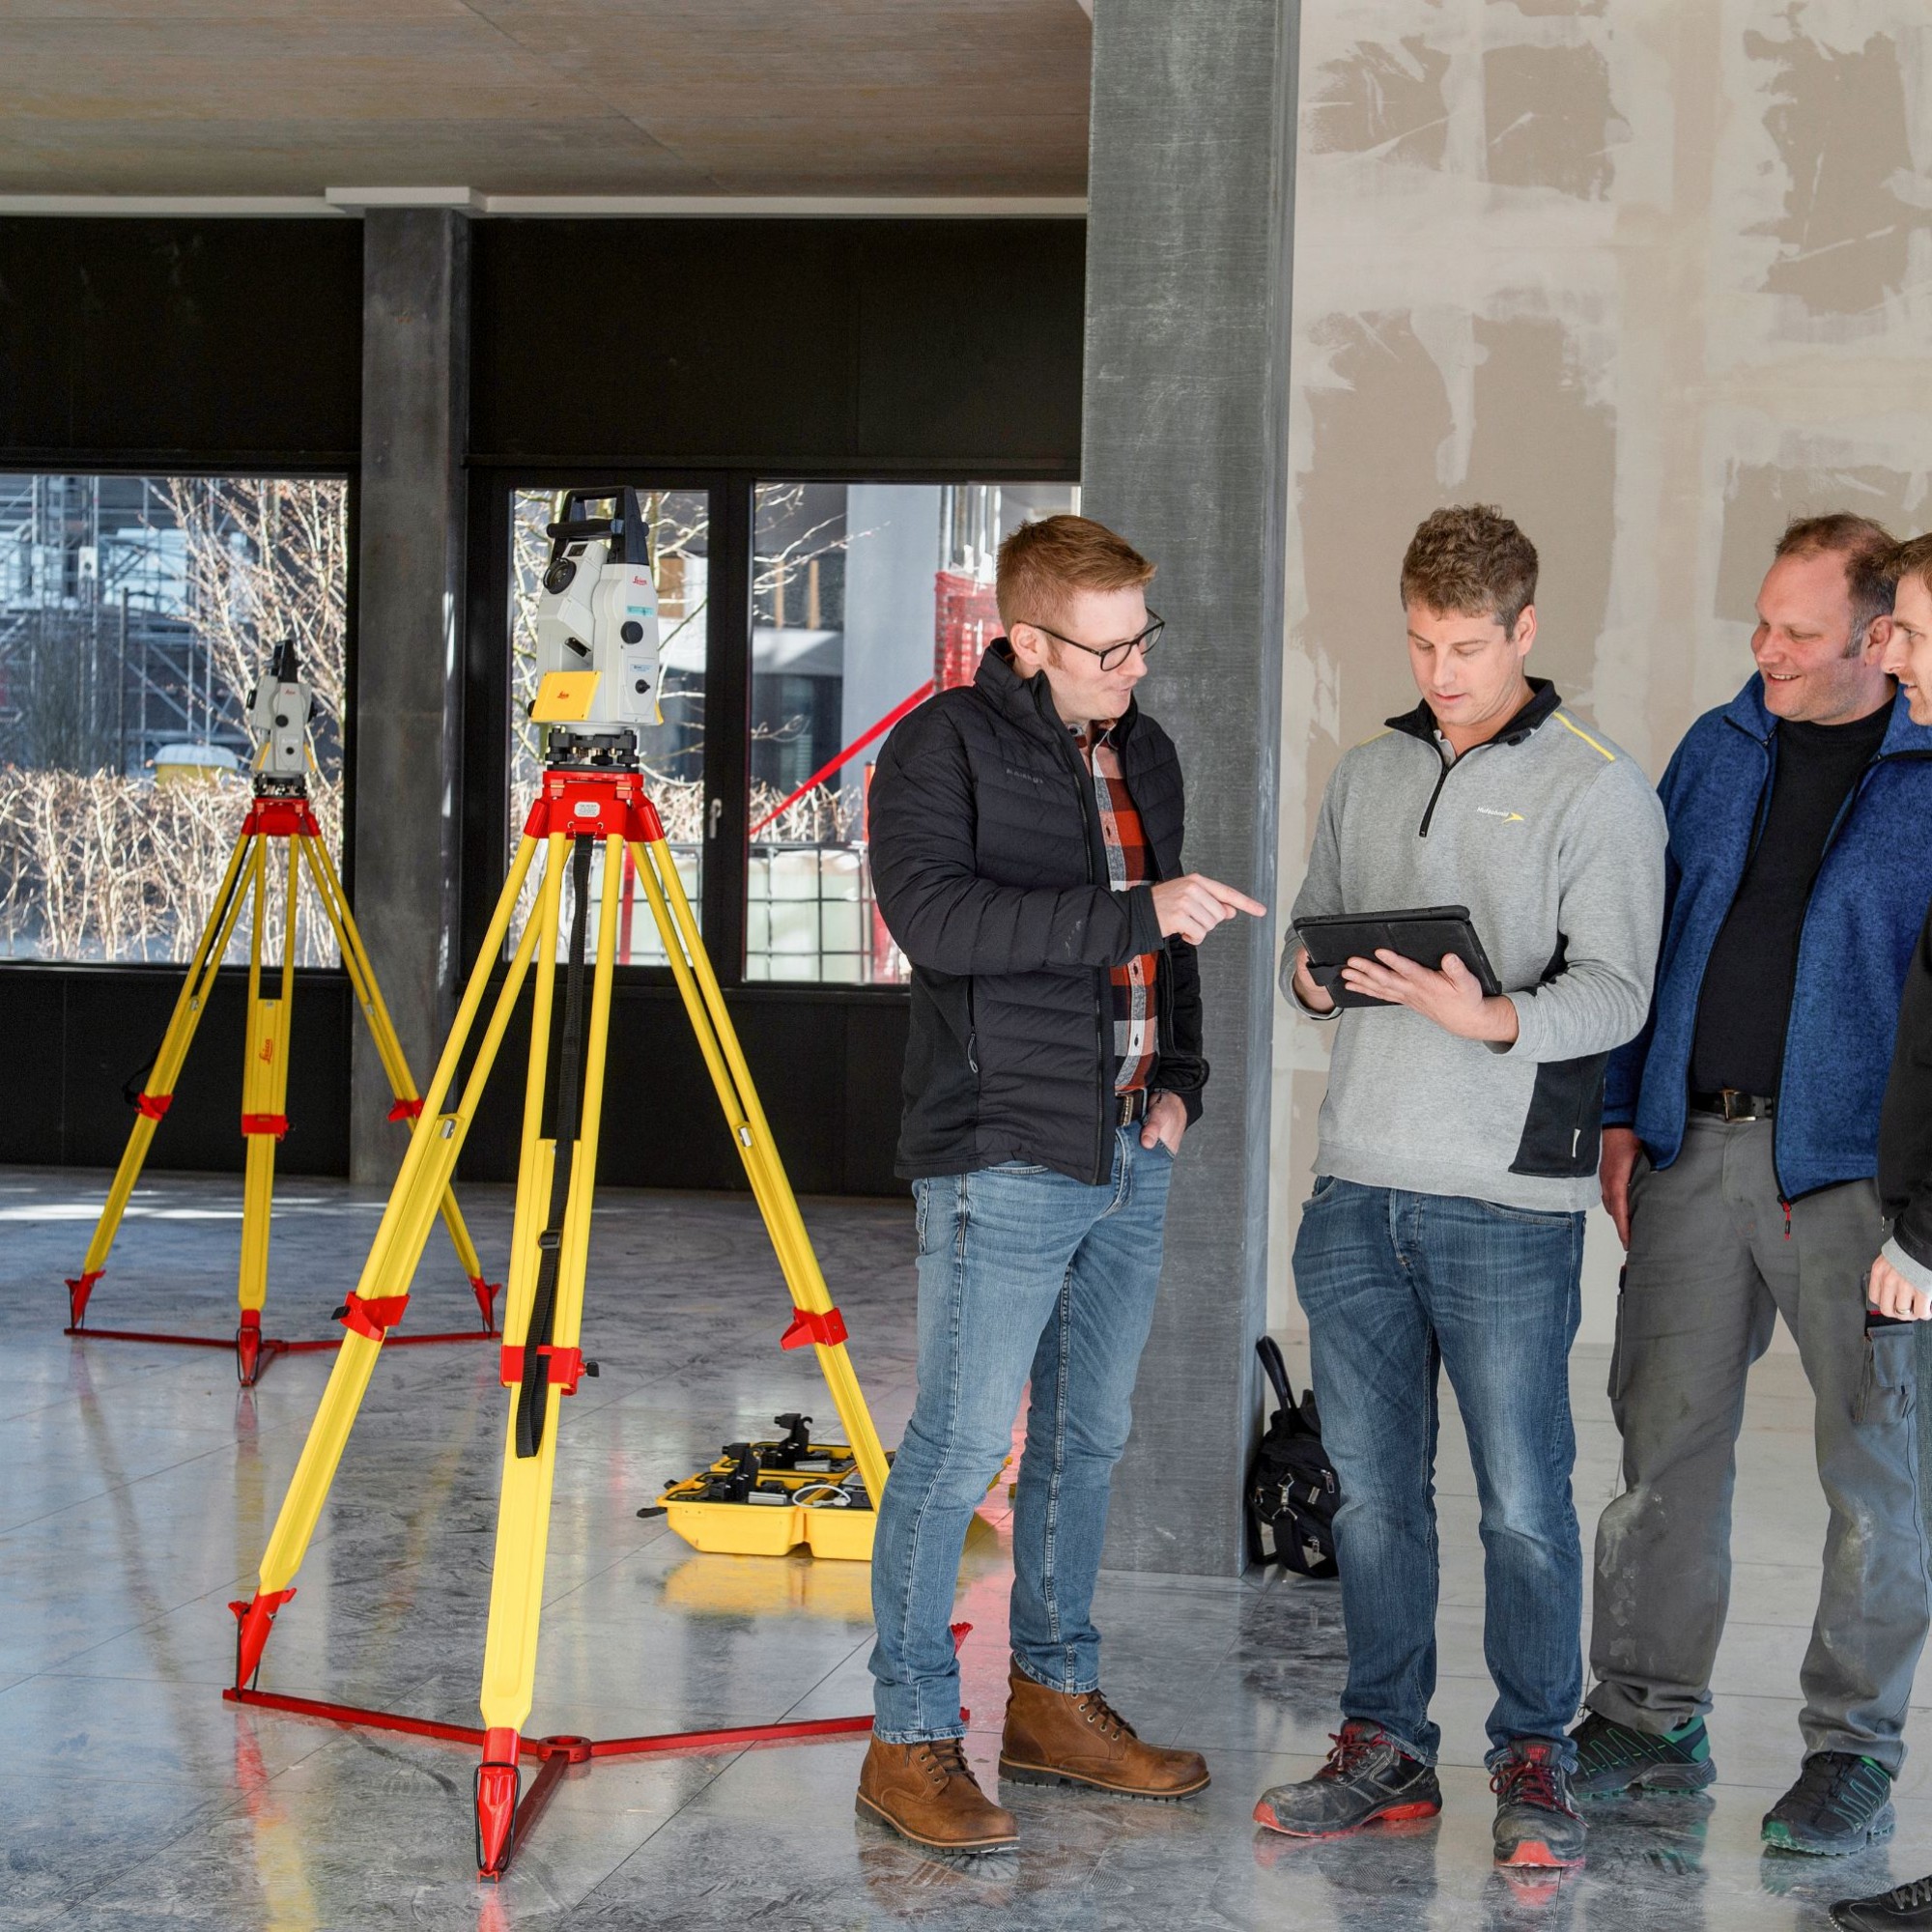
[137,1487]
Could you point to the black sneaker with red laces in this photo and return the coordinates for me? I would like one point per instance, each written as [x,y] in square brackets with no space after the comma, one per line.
[1368,1780]
[1537,1822]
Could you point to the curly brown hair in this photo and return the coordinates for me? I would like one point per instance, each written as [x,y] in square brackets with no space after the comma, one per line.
[1471,560]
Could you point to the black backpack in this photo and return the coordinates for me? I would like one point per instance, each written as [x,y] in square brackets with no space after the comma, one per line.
[1292,1494]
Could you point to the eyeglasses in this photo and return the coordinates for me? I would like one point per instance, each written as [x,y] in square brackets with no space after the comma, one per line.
[1113,655]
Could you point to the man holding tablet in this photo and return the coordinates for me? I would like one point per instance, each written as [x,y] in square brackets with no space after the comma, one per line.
[1458,1154]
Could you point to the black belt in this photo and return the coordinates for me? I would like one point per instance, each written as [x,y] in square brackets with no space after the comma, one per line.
[1131,1108]
[1728,1104]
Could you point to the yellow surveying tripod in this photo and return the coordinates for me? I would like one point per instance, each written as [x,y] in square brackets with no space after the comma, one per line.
[596,803]
[280,813]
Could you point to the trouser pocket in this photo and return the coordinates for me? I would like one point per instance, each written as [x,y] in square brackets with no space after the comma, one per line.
[1886,1387]
[1615,1389]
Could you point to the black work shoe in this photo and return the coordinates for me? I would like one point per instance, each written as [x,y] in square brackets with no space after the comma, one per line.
[1611,1759]
[1842,1802]
[1905,1907]
[1536,1819]
[1367,1780]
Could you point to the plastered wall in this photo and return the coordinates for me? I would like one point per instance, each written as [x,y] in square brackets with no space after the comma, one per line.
[1654,275]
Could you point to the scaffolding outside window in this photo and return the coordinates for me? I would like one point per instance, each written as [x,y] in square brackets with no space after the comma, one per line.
[865,598]
[671,753]
[136,614]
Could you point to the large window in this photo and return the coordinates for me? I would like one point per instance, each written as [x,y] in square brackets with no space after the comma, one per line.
[136,614]
[672,754]
[865,598]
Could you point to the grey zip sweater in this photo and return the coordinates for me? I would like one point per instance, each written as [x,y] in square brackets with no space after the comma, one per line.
[1555,839]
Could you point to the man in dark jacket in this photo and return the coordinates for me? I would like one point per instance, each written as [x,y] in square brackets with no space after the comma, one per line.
[1026,841]
[1740,1144]
[1901,1288]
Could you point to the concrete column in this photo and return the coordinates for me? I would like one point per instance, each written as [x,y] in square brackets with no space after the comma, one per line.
[409,600]
[1185,452]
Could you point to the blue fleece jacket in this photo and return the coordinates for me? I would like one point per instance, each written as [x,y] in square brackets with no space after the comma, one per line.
[1860,925]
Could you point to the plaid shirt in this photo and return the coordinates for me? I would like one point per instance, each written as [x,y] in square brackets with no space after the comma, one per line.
[1136,1031]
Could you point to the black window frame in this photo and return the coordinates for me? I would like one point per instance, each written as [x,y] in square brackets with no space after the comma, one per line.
[484,797]
[252,463]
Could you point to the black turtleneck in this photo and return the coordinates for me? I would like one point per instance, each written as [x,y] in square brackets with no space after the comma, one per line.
[1743,1008]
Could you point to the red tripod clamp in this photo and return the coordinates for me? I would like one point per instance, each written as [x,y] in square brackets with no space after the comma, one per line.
[562,1366]
[808,1327]
[373,1316]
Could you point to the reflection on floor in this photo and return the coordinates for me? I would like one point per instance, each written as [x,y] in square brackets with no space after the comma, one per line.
[139,1486]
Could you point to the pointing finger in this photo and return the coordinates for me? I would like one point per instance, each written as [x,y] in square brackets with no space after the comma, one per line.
[1235,901]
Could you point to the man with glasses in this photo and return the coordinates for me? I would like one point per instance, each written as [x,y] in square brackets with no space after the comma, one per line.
[1026,837]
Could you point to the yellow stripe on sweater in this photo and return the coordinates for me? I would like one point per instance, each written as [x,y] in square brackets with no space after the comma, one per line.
[1578,731]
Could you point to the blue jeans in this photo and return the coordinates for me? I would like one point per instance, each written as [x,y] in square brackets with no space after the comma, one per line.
[1398,1286]
[1023,1274]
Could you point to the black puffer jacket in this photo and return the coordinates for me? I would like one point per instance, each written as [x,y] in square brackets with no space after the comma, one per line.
[989,868]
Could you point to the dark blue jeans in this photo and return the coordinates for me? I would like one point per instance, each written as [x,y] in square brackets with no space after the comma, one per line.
[1398,1286]
[1024,1277]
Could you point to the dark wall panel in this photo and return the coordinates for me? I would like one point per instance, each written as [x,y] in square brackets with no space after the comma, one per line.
[195,340]
[898,345]
[76,1037]
[827,1068]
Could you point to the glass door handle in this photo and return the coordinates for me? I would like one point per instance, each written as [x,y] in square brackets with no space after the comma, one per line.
[717,813]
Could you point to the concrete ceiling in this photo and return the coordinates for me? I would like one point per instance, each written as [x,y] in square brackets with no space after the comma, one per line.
[543,97]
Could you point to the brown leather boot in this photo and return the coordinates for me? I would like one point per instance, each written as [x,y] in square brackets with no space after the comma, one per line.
[1055,1737]
[927,1793]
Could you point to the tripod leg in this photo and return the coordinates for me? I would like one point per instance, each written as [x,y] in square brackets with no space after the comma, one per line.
[159,1090]
[264,1081]
[368,994]
[383,1287]
[523,1513]
[738,1096]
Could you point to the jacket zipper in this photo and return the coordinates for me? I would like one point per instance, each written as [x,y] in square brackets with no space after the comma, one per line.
[1441,780]
[1090,825]
[1449,764]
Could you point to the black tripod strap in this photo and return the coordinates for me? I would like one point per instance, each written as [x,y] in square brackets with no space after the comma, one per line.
[533,1392]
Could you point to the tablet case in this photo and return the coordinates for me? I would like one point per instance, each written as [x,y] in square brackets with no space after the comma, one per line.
[1423,933]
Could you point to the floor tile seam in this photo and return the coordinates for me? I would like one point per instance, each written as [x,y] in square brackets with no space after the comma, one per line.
[67,1400]
[245,1582]
[114,1488]
[723,1762]
[616,1562]
[204,1815]
[824,1678]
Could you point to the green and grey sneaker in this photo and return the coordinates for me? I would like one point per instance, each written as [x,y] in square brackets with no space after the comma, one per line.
[1842,1802]
[1367,1780]
[1613,1758]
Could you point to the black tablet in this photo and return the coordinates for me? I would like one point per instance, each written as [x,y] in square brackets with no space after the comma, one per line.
[1425,934]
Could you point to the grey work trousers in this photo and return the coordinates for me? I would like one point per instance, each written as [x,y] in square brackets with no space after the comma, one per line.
[1711,1266]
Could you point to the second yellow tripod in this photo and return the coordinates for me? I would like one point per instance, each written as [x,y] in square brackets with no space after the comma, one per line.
[280,814]
[580,809]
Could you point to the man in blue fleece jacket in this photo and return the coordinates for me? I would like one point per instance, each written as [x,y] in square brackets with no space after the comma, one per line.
[1740,1145]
